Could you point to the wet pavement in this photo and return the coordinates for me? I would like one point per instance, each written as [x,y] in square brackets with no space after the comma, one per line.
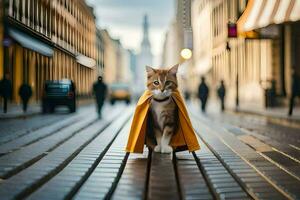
[79,156]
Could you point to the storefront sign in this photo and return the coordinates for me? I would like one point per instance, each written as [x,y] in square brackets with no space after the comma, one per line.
[232,30]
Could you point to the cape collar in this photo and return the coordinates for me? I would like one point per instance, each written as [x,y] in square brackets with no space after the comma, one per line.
[161,100]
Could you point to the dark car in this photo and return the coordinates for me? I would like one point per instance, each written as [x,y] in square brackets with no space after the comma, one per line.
[119,92]
[61,92]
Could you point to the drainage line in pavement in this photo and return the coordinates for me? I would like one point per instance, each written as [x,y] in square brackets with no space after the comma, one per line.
[26,192]
[148,174]
[244,187]
[40,138]
[27,164]
[234,176]
[117,179]
[74,190]
[29,130]
[174,158]
[205,177]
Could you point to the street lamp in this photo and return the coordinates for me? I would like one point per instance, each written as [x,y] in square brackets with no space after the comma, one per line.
[186,53]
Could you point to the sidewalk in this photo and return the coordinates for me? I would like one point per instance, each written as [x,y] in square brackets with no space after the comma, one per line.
[15,110]
[277,112]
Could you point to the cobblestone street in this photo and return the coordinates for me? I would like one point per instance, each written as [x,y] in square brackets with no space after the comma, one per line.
[79,156]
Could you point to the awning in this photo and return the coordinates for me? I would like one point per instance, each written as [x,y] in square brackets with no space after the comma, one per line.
[31,43]
[261,13]
[85,61]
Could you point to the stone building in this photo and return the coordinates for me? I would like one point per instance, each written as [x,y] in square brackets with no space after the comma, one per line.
[178,37]
[47,40]
[279,22]
[99,53]
[116,60]
[259,53]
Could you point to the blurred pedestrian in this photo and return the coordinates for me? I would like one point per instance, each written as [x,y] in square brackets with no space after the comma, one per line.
[295,91]
[221,94]
[99,90]
[6,90]
[25,93]
[203,93]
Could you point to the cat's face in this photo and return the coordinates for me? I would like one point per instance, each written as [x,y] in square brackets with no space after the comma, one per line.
[161,82]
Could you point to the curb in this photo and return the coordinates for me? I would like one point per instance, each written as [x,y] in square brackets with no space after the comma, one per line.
[82,102]
[293,123]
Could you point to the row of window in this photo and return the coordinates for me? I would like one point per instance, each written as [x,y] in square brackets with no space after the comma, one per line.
[219,20]
[69,24]
[247,59]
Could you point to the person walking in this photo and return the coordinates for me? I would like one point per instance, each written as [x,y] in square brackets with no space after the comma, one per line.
[221,94]
[203,93]
[99,90]
[295,92]
[6,90]
[25,93]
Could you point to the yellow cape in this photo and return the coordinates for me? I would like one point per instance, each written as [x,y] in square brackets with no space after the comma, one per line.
[183,139]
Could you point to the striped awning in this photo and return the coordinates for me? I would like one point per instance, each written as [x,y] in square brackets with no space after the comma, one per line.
[29,42]
[261,13]
[85,61]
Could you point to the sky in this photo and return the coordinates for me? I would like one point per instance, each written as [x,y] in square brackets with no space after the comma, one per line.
[123,19]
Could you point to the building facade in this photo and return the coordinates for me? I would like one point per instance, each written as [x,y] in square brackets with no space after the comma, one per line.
[244,63]
[47,40]
[99,53]
[178,37]
[258,59]
[110,58]
[116,60]
[279,22]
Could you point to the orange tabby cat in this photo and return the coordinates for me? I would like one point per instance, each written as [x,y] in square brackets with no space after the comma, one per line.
[163,113]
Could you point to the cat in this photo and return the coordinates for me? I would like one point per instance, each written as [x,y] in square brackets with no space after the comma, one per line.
[163,112]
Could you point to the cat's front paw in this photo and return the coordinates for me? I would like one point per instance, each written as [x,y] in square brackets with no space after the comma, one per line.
[166,149]
[157,148]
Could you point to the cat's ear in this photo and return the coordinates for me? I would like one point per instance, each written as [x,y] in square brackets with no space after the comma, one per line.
[173,70]
[149,69]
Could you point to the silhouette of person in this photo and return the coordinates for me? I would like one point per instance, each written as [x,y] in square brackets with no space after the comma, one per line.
[295,92]
[221,94]
[203,93]
[6,90]
[99,90]
[25,93]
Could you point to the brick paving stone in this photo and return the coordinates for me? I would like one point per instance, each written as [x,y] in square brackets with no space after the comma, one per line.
[44,167]
[192,183]
[29,153]
[12,129]
[132,184]
[97,146]
[101,181]
[37,134]
[216,136]
[162,179]
[290,165]
[221,181]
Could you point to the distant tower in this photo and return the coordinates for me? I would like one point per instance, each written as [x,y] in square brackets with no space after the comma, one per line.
[145,45]
[144,58]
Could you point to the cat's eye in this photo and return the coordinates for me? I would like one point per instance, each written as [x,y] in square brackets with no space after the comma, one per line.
[168,82]
[156,83]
